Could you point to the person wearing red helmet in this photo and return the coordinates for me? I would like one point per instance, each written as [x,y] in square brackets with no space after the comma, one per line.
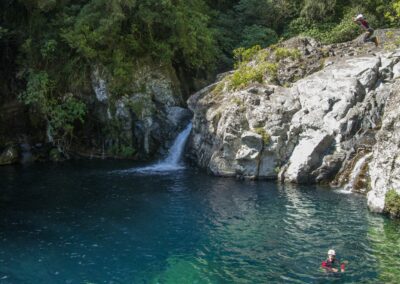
[362,22]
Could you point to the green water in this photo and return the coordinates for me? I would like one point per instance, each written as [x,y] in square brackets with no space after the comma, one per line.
[90,222]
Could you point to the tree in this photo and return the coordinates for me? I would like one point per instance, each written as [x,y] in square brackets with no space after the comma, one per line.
[258,35]
[318,11]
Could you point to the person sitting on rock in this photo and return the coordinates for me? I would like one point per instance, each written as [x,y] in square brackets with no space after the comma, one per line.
[331,264]
[362,22]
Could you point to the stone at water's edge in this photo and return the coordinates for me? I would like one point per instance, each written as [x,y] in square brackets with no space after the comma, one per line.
[9,156]
[314,127]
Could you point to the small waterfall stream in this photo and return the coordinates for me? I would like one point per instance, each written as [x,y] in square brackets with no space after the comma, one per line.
[175,152]
[173,161]
[356,172]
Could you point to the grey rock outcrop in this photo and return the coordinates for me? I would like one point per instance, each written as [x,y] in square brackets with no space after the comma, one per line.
[142,122]
[308,125]
[384,168]
[312,130]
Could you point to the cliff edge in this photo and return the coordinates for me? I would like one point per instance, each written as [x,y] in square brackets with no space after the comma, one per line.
[301,112]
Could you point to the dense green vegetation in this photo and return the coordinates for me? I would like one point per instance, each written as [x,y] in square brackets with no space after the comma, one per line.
[49,47]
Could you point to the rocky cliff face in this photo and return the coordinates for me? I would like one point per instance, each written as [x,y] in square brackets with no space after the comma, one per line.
[384,167]
[313,130]
[139,125]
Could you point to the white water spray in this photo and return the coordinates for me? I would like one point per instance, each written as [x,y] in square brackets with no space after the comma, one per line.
[173,161]
[356,172]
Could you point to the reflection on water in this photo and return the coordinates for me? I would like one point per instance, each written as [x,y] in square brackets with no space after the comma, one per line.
[85,223]
[384,236]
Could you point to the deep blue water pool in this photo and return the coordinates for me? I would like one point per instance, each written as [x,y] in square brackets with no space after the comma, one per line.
[88,222]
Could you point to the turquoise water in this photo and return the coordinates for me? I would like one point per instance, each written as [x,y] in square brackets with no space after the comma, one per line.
[88,222]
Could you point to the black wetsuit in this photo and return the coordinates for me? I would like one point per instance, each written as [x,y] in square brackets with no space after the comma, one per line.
[333,264]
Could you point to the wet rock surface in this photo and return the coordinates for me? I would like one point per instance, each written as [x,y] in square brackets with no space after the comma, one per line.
[9,155]
[140,124]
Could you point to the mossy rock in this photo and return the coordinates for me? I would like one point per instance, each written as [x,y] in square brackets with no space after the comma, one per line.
[392,203]
[9,156]
[55,155]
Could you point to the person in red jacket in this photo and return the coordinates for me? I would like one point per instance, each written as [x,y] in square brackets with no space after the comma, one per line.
[362,22]
[331,264]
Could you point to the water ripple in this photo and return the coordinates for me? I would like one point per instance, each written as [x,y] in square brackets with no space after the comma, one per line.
[72,226]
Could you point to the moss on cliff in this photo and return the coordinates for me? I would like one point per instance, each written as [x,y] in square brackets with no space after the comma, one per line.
[264,134]
[392,203]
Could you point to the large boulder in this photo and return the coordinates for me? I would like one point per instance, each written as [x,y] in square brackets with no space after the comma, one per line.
[307,156]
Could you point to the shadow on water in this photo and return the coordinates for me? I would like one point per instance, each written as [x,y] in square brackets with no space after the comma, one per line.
[77,223]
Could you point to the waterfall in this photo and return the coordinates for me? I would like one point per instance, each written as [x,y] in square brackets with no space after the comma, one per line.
[176,150]
[173,161]
[356,172]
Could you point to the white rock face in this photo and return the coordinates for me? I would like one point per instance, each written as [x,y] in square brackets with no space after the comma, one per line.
[385,165]
[307,155]
[326,99]
[99,85]
[312,127]
[176,115]
[249,153]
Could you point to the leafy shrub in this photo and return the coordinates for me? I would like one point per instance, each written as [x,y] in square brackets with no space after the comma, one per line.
[296,27]
[245,55]
[390,34]
[219,88]
[281,53]
[122,150]
[48,49]
[393,42]
[253,64]
[127,151]
[329,32]
[3,32]
[60,111]
[392,203]
[247,74]
[318,10]
[346,30]
[393,13]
